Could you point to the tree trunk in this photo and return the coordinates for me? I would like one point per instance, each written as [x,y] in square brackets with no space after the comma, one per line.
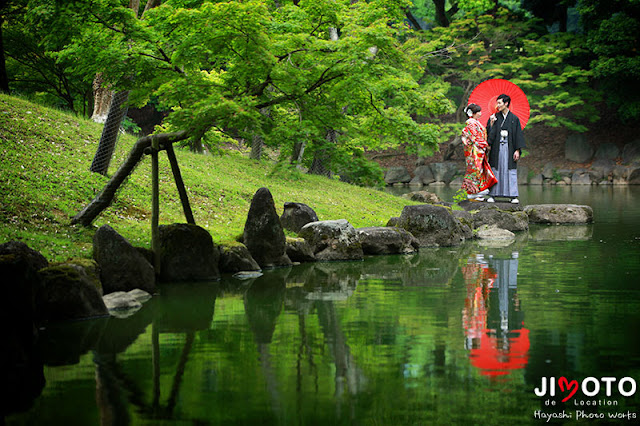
[321,164]
[4,78]
[135,6]
[110,133]
[257,142]
[151,4]
[441,14]
[256,147]
[102,96]
[412,19]
[298,153]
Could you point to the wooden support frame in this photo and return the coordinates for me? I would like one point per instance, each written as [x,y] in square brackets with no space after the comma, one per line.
[145,145]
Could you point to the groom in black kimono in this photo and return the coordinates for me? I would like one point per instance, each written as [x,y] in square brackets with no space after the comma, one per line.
[506,141]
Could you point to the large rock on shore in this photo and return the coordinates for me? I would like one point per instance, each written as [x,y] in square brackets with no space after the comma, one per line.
[19,249]
[511,221]
[237,258]
[297,215]
[187,253]
[398,174]
[299,250]
[122,266]
[433,226]
[69,292]
[333,240]
[577,148]
[559,213]
[444,172]
[263,232]
[385,240]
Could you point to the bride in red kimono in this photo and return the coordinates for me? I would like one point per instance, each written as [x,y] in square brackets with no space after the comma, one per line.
[478,176]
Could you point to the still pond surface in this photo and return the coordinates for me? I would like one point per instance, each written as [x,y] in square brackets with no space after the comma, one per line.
[465,335]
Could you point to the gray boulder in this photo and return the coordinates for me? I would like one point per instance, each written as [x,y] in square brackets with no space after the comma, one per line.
[456,182]
[124,304]
[69,293]
[398,174]
[581,179]
[444,172]
[333,240]
[19,265]
[296,215]
[120,300]
[577,148]
[559,213]
[385,240]
[466,220]
[122,267]
[513,221]
[19,249]
[492,232]
[607,151]
[299,250]
[631,152]
[187,253]
[634,176]
[605,166]
[523,174]
[423,175]
[537,179]
[620,172]
[394,221]
[263,232]
[564,173]
[432,225]
[423,197]
[547,171]
[237,258]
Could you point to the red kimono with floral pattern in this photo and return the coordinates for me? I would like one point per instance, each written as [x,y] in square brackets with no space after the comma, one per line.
[478,175]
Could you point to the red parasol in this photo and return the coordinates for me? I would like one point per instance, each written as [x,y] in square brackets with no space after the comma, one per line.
[486,93]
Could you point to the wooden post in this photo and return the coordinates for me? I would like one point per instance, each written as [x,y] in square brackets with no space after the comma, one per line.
[177,176]
[155,362]
[155,205]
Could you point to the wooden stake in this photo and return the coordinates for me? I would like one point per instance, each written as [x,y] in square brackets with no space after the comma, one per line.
[155,204]
[177,176]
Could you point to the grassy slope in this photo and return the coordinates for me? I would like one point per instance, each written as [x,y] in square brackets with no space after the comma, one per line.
[45,180]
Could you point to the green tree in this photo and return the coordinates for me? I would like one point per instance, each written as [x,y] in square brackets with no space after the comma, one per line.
[612,34]
[551,68]
[33,36]
[217,64]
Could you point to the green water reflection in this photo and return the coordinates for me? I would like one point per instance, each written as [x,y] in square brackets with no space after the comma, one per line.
[447,336]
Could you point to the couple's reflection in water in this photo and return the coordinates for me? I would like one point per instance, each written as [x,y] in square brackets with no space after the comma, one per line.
[179,323]
[492,317]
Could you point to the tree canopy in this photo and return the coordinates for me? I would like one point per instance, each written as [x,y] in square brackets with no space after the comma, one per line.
[338,76]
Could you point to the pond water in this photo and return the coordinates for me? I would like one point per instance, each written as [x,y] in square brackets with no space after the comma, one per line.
[465,335]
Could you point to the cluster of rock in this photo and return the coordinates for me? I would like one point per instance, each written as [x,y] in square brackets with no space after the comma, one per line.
[121,276]
[608,166]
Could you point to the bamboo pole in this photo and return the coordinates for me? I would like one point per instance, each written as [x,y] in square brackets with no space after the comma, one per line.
[155,204]
[177,176]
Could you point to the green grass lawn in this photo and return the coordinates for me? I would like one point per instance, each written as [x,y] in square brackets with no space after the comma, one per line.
[45,155]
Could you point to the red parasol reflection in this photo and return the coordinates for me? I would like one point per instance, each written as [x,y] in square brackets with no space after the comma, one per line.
[495,335]
[498,356]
